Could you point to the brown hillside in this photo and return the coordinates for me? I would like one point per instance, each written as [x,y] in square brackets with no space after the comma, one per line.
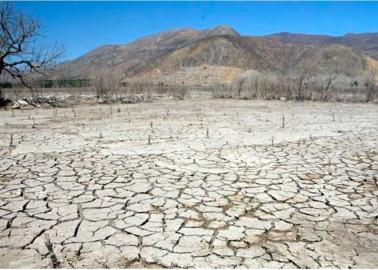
[246,53]
[139,53]
[367,43]
[177,53]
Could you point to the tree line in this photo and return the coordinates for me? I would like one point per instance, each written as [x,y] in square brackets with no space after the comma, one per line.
[47,83]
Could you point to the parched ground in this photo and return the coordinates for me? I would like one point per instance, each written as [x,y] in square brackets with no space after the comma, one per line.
[194,183]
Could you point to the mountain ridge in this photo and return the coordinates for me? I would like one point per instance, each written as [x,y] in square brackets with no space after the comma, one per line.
[222,46]
[366,42]
[142,50]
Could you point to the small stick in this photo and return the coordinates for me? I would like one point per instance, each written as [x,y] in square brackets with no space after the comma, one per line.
[49,246]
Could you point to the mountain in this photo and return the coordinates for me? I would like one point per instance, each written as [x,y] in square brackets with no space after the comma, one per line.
[219,54]
[138,53]
[367,43]
[250,53]
[261,54]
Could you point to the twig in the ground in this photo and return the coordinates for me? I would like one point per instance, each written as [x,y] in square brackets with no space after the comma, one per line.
[329,166]
[283,122]
[49,246]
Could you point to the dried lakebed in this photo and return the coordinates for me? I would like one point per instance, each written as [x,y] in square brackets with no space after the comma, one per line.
[194,183]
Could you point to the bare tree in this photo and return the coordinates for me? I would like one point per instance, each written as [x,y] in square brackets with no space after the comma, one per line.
[20,53]
[320,86]
[371,84]
[106,82]
[302,79]
[327,86]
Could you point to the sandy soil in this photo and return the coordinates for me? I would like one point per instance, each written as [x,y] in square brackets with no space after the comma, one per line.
[193,183]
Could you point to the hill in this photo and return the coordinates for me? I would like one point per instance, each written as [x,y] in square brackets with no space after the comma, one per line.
[219,54]
[250,53]
[367,43]
[134,55]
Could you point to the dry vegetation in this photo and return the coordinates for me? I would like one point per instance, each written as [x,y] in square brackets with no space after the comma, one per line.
[107,87]
[300,86]
[104,88]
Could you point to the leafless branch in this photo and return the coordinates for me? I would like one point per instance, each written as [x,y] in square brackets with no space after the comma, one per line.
[20,51]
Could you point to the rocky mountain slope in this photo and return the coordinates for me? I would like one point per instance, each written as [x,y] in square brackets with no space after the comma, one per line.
[127,58]
[367,43]
[221,53]
[249,53]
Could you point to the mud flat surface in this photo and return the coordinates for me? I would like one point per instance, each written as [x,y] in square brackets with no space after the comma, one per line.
[193,183]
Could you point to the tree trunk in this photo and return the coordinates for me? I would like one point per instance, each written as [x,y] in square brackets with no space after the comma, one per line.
[1,90]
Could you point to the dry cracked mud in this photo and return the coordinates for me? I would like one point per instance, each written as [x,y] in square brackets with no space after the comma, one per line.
[194,183]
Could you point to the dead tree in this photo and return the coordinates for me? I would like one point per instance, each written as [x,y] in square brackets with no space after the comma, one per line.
[321,87]
[302,80]
[19,53]
[327,86]
[106,83]
[371,85]
[238,84]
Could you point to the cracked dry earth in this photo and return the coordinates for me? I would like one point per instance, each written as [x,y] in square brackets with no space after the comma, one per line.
[194,183]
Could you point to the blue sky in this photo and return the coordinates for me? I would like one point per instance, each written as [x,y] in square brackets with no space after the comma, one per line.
[82,26]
